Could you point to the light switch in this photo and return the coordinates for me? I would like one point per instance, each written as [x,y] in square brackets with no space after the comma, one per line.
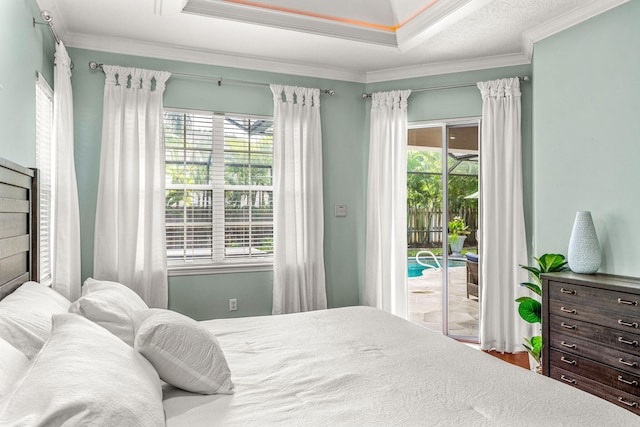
[341,211]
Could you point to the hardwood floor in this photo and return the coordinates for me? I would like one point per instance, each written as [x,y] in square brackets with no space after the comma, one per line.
[519,359]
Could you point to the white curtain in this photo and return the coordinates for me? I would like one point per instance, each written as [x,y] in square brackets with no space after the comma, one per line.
[66,260]
[129,242]
[503,245]
[298,266]
[386,251]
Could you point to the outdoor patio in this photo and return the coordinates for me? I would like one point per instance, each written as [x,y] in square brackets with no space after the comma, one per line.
[425,302]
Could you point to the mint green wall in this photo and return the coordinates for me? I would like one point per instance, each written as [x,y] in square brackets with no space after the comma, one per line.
[587,135]
[24,50]
[207,296]
[466,102]
[580,143]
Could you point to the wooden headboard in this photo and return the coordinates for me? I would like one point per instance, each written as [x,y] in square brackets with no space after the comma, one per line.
[18,226]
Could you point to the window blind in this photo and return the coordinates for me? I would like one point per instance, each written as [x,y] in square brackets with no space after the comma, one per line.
[219,205]
[44,162]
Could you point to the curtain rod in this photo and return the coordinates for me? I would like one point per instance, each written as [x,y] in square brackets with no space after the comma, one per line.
[425,89]
[95,66]
[48,21]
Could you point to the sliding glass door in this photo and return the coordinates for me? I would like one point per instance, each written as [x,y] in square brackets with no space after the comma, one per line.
[442,234]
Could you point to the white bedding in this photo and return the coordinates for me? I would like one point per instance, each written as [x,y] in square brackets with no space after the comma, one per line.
[360,366]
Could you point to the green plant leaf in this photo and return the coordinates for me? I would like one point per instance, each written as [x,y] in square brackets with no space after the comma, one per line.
[535,273]
[532,287]
[529,309]
[535,341]
[533,270]
[550,263]
[534,347]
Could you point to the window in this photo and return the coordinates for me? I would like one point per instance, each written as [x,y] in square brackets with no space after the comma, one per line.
[45,164]
[219,196]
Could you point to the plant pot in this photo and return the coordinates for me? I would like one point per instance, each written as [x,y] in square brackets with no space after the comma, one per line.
[455,243]
[534,366]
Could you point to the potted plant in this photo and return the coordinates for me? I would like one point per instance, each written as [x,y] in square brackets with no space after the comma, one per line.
[458,232]
[530,309]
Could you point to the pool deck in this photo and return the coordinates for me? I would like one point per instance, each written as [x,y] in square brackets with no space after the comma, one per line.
[425,302]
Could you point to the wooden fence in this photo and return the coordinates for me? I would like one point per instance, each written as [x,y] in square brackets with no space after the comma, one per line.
[424,226]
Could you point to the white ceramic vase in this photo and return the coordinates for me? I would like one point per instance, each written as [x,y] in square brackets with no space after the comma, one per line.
[584,249]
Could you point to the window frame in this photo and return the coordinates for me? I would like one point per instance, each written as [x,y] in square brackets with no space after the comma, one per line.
[226,265]
[45,162]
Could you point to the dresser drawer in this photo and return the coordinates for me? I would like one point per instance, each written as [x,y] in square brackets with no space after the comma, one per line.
[603,374]
[620,398]
[577,296]
[608,356]
[599,335]
[617,320]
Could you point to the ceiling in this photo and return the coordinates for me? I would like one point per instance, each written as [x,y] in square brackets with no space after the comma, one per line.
[354,40]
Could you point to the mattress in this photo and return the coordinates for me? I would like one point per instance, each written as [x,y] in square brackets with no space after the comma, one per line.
[361,366]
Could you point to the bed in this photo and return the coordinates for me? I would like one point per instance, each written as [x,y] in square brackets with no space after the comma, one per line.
[84,364]
[18,226]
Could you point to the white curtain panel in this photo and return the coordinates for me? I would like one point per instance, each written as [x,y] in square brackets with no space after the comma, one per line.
[129,242]
[66,261]
[503,245]
[298,212]
[386,251]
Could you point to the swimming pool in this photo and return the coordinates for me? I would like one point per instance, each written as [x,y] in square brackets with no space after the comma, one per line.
[415,269]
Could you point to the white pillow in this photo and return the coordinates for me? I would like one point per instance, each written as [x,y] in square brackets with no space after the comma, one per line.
[25,316]
[85,376]
[109,304]
[185,353]
[13,363]
[93,285]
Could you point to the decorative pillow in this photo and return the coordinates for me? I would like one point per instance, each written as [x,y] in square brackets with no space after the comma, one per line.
[109,304]
[85,376]
[25,316]
[184,353]
[13,364]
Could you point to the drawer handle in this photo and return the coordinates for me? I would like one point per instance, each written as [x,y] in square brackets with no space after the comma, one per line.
[564,325]
[567,291]
[631,325]
[627,302]
[565,344]
[566,310]
[567,379]
[625,341]
[568,361]
[622,380]
[628,403]
[631,364]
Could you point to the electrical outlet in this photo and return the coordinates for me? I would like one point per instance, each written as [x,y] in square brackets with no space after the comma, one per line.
[341,211]
[233,304]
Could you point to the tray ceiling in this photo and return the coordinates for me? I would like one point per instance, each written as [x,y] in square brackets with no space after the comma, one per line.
[354,40]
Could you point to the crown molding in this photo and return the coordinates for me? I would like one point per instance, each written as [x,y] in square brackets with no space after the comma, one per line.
[425,70]
[563,22]
[433,20]
[566,21]
[529,38]
[197,56]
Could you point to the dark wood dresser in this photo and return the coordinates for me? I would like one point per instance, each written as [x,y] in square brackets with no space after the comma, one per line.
[591,334]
